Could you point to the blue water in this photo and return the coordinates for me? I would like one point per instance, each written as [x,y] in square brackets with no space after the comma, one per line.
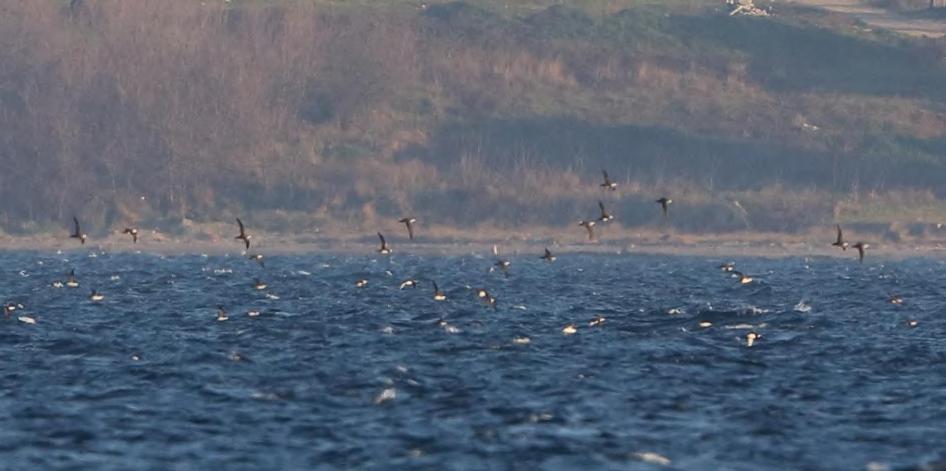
[333,376]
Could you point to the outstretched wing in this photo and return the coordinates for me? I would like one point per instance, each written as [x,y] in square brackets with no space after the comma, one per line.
[242,231]
[603,212]
[76,221]
[606,179]
[410,229]
[840,235]
[383,243]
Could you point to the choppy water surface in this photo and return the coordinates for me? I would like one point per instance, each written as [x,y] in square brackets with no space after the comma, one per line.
[336,376]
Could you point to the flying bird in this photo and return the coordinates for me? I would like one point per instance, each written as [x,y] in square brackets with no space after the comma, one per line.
[77,233]
[503,265]
[664,202]
[605,215]
[133,232]
[438,295]
[243,235]
[861,247]
[548,257]
[410,283]
[589,225]
[72,281]
[840,242]
[409,222]
[258,258]
[384,250]
[608,184]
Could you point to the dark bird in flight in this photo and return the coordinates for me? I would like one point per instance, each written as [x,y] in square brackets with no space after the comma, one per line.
[548,257]
[133,232]
[840,242]
[608,184]
[72,281]
[861,247]
[438,295]
[409,222]
[664,202]
[384,250]
[243,235]
[503,265]
[258,258]
[590,226]
[77,233]
[605,215]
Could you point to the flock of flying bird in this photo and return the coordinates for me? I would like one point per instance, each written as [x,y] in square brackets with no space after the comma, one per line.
[438,295]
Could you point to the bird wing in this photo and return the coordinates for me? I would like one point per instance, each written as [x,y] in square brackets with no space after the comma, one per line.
[76,221]
[840,235]
[383,243]
[410,229]
[547,253]
[242,231]
[603,212]
[591,231]
[606,179]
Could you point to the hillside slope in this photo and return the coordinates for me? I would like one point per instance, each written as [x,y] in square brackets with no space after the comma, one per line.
[296,114]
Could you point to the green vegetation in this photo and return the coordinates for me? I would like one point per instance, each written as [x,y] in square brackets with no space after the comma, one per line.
[298,112]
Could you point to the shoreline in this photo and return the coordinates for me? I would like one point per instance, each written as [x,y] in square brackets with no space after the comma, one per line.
[519,245]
